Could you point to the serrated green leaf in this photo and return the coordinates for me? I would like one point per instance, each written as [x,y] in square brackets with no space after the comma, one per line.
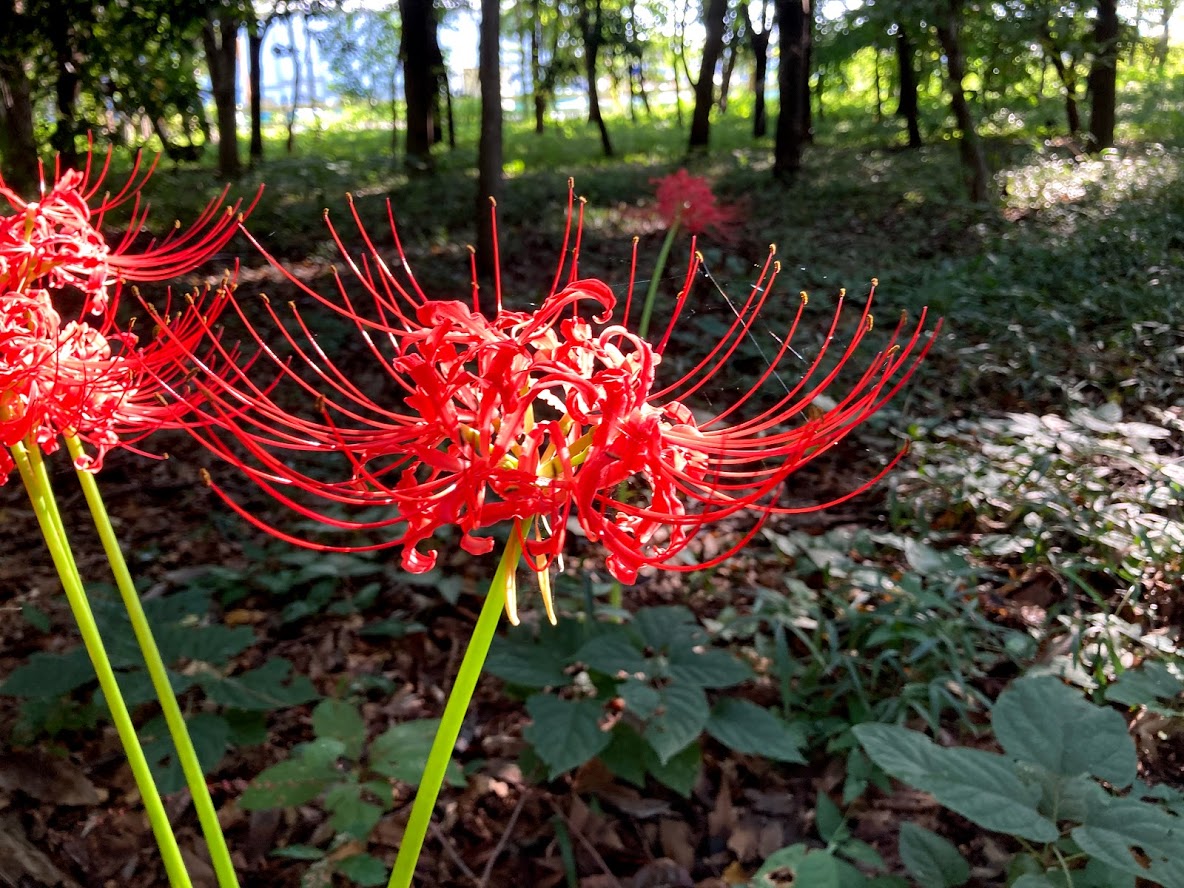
[50,675]
[787,858]
[679,772]
[35,617]
[401,752]
[708,669]
[350,813]
[364,870]
[1041,720]
[269,687]
[858,851]
[753,730]
[286,784]
[339,720]
[210,735]
[299,852]
[640,697]
[614,653]
[932,860]
[679,720]
[667,629]
[1151,683]
[625,755]
[564,733]
[526,662]
[818,869]
[209,644]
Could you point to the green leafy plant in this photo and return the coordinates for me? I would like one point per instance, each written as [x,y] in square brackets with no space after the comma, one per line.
[353,777]
[636,695]
[1064,787]
[57,688]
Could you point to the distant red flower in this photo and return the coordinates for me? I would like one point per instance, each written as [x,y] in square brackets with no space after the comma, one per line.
[87,376]
[688,202]
[534,418]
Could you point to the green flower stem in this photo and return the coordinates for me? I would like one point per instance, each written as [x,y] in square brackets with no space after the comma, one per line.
[36,479]
[186,754]
[651,294]
[454,716]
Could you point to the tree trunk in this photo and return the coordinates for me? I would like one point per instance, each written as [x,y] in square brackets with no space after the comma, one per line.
[536,68]
[218,39]
[731,49]
[489,150]
[793,21]
[294,55]
[876,84]
[1103,76]
[255,33]
[18,145]
[1164,43]
[591,31]
[974,160]
[713,22]
[419,81]
[908,107]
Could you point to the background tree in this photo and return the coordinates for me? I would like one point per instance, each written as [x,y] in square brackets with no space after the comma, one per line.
[590,16]
[419,80]
[362,48]
[794,18]
[974,160]
[908,105]
[1103,75]
[758,40]
[713,23]
[219,37]
[489,150]
[18,144]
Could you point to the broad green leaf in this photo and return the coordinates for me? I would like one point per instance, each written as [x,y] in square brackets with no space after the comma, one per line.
[754,730]
[271,686]
[980,786]
[932,860]
[289,783]
[1032,881]
[818,869]
[364,869]
[1150,685]
[50,675]
[858,851]
[640,698]
[787,858]
[210,644]
[1098,874]
[526,662]
[401,752]
[350,813]
[1041,720]
[614,654]
[679,772]
[1112,833]
[828,819]
[564,733]
[1068,798]
[339,720]
[708,669]
[681,718]
[299,852]
[667,629]
[625,755]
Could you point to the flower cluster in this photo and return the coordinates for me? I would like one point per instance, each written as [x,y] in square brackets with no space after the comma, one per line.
[533,419]
[688,202]
[86,375]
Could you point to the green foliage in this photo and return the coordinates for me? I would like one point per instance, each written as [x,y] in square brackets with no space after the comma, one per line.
[653,674]
[1065,781]
[353,778]
[57,690]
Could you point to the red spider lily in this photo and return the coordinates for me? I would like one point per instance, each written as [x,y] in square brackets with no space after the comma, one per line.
[533,418]
[687,201]
[89,377]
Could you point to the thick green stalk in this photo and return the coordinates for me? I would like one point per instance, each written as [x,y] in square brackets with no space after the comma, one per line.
[36,479]
[187,756]
[651,294]
[454,716]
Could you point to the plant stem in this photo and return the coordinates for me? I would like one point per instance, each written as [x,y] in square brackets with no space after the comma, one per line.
[454,716]
[186,754]
[36,479]
[651,294]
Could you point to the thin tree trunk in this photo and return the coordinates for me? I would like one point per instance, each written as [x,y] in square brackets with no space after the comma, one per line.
[489,150]
[591,30]
[713,22]
[759,42]
[218,39]
[536,68]
[908,107]
[731,50]
[418,81]
[255,33]
[793,22]
[294,55]
[1068,79]
[974,159]
[876,83]
[66,84]
[1103,77]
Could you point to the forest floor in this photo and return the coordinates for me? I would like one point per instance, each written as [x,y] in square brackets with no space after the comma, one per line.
[1062,315]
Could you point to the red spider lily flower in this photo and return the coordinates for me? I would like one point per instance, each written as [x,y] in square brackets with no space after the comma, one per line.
[89,377]
[533,418]
[688,202]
